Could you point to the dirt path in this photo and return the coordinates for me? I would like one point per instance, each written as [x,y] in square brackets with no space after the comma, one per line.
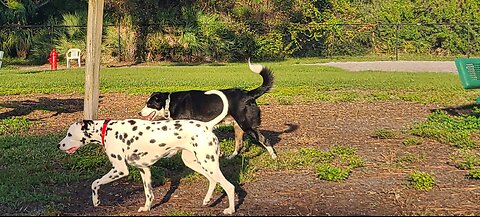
[378,188]
[402,66]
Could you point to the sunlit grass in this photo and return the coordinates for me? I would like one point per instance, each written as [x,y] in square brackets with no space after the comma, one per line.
[293,83]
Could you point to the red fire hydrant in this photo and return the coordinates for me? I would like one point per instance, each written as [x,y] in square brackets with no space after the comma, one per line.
[53,59]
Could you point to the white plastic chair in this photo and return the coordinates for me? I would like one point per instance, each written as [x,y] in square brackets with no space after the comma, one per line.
[1,57]
[72,54]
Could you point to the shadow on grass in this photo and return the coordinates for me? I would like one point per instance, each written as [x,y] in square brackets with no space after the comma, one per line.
[25,107]
[462,110]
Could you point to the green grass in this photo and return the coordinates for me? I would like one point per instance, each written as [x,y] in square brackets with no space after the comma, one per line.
[408,159]
[411,141]
[30,166]
[294,82]
[14,125]
[457,131]
[384,134]
[466,159]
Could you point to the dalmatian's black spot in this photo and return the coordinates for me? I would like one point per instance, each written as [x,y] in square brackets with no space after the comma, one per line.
[140,133]
[119,157]
[88,135]
[121,173]
[134,157]
[129,142]
[193,138]
[114,171]
[195,144]
[83,140]
[125,135]
[132,122]
[135,150]
[134,128]
[113,155]
[207,156]
[211,173]
[93,192]
[177,126]
[122,123]
[179,137]
[176,134]
[148,127]
[162,144]
[210,143]
[198,125]
[167,148]
[152,140]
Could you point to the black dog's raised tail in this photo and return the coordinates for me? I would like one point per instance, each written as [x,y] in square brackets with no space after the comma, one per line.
[267,76]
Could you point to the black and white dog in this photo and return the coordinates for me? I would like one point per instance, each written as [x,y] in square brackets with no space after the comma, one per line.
[141,143]
[193,104]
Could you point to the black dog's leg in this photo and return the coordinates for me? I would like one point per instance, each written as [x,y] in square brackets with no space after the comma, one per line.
[238,140]
[260,138]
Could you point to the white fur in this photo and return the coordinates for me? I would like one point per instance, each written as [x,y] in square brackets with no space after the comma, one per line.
[257,68]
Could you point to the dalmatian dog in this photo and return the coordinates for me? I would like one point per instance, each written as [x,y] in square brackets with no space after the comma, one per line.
[141,143]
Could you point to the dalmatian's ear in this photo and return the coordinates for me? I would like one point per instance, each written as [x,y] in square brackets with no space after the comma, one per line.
[86,124]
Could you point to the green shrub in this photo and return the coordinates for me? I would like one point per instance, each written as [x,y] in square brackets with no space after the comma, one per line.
[331,173]
[421,180]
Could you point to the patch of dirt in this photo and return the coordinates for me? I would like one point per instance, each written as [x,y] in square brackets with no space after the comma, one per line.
[378,188]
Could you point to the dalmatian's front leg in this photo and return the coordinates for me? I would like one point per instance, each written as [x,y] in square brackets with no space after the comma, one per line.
[147,185]
[117,172]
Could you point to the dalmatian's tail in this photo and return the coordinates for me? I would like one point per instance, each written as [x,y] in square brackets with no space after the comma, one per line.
[222,115]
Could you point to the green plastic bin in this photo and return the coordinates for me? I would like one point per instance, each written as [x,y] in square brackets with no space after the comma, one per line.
[469,72]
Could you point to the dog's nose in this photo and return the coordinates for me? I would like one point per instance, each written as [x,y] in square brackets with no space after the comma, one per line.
[58,146]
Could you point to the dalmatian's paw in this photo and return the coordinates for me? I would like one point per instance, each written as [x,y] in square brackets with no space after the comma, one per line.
[143,209]
[95,201]
[206,202]
[228,211]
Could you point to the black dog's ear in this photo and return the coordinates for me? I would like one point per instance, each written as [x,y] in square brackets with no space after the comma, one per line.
[157,100]
[85,124]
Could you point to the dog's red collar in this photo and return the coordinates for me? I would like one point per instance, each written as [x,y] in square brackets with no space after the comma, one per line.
[104,129]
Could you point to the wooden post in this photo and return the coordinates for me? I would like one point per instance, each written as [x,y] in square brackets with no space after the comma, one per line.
[92,65]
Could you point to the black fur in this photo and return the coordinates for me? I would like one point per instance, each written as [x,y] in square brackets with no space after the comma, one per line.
[243,108]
